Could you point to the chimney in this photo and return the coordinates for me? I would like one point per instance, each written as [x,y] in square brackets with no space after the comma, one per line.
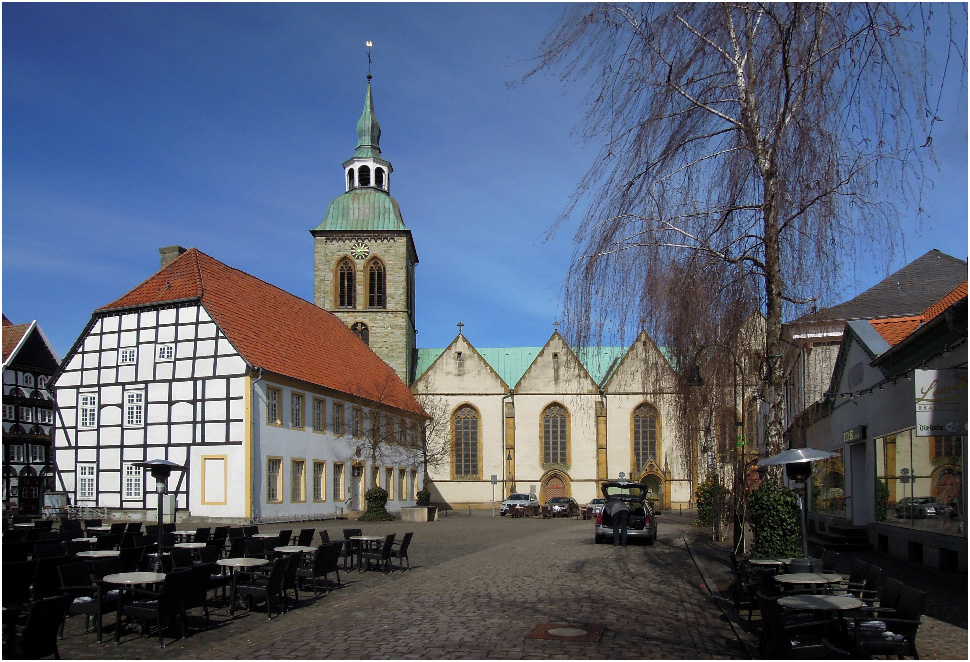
[169,254]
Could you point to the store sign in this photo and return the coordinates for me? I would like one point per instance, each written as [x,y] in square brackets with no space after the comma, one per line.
[941,403]
[857,433]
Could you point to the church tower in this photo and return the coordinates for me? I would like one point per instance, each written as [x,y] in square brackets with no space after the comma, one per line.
[364,256]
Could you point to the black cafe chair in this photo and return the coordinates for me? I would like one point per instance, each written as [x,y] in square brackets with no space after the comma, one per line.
[39,635]
[325,560]
[381,556]
[399,550]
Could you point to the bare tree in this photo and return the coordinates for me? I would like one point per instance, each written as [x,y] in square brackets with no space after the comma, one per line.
[433,448]
[749,149]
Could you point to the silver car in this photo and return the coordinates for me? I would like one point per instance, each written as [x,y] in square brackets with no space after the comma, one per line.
[643,521]
[518,500]
[596,505]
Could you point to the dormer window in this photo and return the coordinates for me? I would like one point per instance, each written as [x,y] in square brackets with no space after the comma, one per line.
[363,175]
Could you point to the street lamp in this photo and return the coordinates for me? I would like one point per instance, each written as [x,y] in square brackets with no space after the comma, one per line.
[695,378]
[160,470]
[798,468]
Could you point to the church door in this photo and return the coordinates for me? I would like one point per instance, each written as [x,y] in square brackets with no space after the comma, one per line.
[555,487]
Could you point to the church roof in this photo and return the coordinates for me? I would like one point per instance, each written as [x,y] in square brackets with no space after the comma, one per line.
[275,330]
[363,209]
[510,363]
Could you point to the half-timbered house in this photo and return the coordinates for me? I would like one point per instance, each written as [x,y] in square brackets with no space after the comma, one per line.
[265,398]
[29,361]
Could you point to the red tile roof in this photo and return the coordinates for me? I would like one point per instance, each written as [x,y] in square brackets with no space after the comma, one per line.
[895,329]
[12,333]
[275,330]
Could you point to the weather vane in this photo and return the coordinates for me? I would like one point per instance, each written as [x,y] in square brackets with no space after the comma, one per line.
[369,44]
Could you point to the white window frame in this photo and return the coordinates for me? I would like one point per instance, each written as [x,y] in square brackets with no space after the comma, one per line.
[165,352]
[319,480]
[338,481]
[338,418]
[26,414]
[88,410]
[127,356]
[134,409]
[296,411]
[389,483]
[18,453]
[86,481]
[9,412]
[28,380]
[274,475]
[356,422]
[37,454]
[273,405]
[45,416]
[134,482]
[297,480]
[319,415]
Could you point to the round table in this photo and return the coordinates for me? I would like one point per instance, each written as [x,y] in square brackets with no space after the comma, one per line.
[769,562]
[266,535]
[102,528]
[238,563]
[99,553]
[290,549]
[190,545]
[808,578]
[365,541]
[820,602]
[127,580]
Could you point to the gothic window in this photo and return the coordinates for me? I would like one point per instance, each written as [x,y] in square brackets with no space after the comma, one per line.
[346,284]
[555,428]
[379,177]
[376,286]
[465,434]
[363,175]
[350,179]
[644,435]
[361,331]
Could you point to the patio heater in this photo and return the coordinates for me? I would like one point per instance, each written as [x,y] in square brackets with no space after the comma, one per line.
[160,470]
[798,469]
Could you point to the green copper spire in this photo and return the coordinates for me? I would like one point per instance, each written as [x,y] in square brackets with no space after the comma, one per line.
[368,129]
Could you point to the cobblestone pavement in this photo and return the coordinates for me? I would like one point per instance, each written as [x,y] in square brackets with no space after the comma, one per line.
[479,585]
[477,588]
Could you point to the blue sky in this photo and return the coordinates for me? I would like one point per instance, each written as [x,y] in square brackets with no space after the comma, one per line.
[127,127]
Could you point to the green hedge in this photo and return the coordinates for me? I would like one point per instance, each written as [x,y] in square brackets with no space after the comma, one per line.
[774,514]
[376,498]
[710,493]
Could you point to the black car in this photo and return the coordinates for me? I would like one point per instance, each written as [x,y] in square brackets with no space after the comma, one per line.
[643,521]
[563,507]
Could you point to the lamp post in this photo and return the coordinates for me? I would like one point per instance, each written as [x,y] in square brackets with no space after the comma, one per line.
[696,379]
[798,468]
[160,470]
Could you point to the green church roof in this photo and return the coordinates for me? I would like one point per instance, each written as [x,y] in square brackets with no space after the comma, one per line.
[511,362]
[363,209]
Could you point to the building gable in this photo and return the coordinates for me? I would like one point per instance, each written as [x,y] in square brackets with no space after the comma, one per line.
[642,369]
[557,369]
[460,368]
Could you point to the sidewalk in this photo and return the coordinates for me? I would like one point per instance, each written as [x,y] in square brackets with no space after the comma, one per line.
[943,634]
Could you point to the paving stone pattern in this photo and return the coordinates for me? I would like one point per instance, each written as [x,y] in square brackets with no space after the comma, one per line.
[478,586]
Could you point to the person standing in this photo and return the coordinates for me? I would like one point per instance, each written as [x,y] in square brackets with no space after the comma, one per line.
[620,517]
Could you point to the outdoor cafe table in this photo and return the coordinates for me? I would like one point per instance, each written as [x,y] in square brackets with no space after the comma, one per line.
[820,602]
[808,578]
[99,553]
[266,535]
[127,580]
[190,545]
[291,549]
[366,541]
[238,563]
[770,562]
[92,539]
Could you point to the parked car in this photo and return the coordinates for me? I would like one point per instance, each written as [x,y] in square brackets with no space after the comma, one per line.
[596,505]
[643,521]
[919,508]
[518,500]
[563,507]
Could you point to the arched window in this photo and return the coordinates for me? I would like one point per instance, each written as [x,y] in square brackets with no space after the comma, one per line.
[465,435]
[28,379]
[346,284]
[350,178]
[644,435]
[379,177]
[363,175]
[555,432]
[361,331]
[376,285]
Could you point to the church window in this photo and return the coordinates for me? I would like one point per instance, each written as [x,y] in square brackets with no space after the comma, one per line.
[350,178]
[555,427]
[346,284]
[379,177]
[363,175]
[361,331]
[376,286]
[644,435]
[465,434]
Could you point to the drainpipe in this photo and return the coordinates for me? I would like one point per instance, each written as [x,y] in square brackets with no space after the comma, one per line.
[252,447]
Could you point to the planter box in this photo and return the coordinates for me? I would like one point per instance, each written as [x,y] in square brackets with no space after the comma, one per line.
[422,514]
